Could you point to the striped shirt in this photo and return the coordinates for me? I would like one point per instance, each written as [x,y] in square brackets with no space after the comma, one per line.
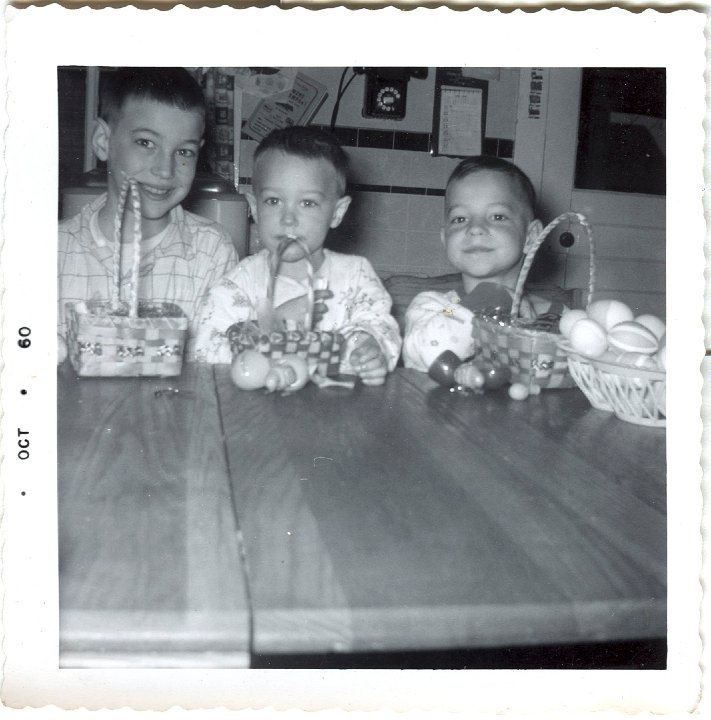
[179,265]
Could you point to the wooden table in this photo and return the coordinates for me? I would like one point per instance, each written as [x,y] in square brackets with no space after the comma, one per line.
[393,518]
[150,572]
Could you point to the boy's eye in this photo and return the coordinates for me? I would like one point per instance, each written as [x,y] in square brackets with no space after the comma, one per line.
[145,142]
[498,217]
[187,153]
[458,220]
[271,201]
[309,203]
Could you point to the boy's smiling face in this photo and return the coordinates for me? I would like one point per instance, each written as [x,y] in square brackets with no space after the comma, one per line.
[295,197]
[487,221]
[158,146]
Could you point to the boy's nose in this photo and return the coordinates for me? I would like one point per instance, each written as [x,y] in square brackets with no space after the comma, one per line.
[288,217]
[164,165]
[476,227]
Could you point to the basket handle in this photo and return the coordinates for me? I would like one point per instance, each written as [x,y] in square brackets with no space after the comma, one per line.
[530,252]
[266,316]
[129,186]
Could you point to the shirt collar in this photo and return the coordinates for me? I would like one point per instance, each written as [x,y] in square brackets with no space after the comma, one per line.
[167,246]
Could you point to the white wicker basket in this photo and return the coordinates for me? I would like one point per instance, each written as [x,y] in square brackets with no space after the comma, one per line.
[636,395]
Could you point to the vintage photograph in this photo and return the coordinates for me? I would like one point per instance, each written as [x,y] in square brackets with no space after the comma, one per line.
[354,371]
[362,367]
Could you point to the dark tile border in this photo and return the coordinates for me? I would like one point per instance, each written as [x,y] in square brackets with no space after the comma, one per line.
[387,189]
[351,137]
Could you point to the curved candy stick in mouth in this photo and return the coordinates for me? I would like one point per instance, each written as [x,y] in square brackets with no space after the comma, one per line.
[265,309]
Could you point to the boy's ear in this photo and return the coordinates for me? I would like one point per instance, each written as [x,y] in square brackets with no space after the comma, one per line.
[100,139]
[340,210]
[534,230]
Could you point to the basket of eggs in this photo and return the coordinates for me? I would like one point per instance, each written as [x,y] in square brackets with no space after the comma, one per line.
[618,360]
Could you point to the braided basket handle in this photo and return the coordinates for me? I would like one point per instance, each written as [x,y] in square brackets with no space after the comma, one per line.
[275,262]
[129,186]
[532,246]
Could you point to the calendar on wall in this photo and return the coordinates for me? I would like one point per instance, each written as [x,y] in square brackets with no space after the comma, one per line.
[459,119]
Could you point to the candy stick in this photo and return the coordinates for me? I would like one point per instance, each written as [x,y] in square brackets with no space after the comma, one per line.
[136,207]
[264,313]
[118,222]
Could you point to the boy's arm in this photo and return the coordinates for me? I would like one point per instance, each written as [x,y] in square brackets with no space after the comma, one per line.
[228,302]
[222,258]
[369,311]
[434,323]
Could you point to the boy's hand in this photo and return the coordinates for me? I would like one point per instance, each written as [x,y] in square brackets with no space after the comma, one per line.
[368,361]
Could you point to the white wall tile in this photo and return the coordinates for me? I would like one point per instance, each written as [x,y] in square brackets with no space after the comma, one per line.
[431,172]
[374,166]
[425,213]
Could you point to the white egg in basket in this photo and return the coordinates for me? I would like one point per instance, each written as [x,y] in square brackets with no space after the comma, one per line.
[588,337]
[609,313]
[653,323]
[632,337]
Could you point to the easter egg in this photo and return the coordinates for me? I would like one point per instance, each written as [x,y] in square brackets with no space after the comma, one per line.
[661,358]
[61,349]
[568,319]
[518,391]
[443,367]
[632,337]
[300,368]
[496,377]
[653,323]
[609,313]
[279,377]
[249,370]
[469,375]
[588,337]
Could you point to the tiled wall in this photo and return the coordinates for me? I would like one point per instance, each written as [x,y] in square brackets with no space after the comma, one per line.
[397,189]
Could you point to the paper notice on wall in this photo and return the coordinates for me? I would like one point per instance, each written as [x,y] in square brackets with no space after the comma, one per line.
[460,121]
[535,93]
[264,81]
[296,106]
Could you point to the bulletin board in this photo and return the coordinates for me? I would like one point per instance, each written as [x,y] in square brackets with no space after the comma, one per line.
[459,116]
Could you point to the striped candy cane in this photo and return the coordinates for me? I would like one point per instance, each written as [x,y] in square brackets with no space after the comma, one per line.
[129,185]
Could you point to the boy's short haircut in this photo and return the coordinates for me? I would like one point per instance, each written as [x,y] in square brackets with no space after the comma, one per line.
[173,86]
[485,162]
[309,143]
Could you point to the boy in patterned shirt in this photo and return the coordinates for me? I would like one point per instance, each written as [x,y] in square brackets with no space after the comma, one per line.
[298,194]
[150,129]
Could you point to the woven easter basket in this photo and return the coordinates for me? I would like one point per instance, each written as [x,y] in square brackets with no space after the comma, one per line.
[321,349]
[636,395]
[126,338]
[530,348]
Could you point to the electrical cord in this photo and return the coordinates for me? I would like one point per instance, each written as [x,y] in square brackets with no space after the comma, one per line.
[341,92]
